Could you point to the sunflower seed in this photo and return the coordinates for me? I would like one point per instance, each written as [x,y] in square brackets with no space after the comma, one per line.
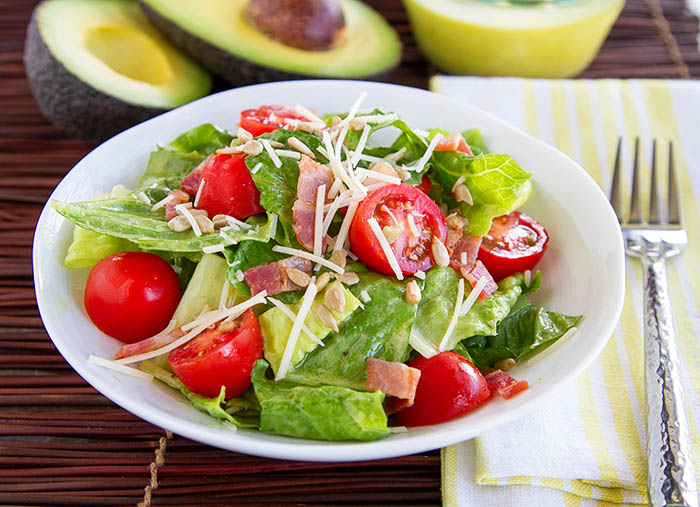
[252,148]
[335,298]
[178,224]
[300,147]
[326,317]
[348,278]
[228,325]
[440,254]
[413,293]
[219,221]
[205,225]
[338,258]
[461,193]
[322,281]
[357,124]
[275,144]
[298,277]
[392,232]
[505,364]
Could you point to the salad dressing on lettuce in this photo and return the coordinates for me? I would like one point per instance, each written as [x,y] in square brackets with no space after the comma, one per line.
[317,314]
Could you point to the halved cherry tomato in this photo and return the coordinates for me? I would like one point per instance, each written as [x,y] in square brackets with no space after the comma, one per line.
[131,295]
[504,385]
[228,188]
[449,386]
[391,205]
[268,118]
[216,358]
[454,142]
[425,184]
[515,243]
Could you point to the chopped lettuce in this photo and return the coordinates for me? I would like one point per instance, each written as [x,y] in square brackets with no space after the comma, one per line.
[130,218]
[437,305]
[245,409]
[278,185]
[89,247]
[475,141]
[276,327]
[184,153]
[380,330]
[321,413]
[523,331]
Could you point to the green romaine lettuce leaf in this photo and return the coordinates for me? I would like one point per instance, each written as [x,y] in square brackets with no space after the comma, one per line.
[130,218]
[523,331]
[278,185]
[184,153]
[247,411]
[380,330]
[276,327]
[321,413]
[89,247]
[437,304]
[475,141]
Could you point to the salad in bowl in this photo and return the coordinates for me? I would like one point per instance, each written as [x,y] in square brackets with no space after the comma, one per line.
[321,275]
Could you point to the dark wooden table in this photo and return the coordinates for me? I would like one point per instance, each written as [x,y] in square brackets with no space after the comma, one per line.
[62,443]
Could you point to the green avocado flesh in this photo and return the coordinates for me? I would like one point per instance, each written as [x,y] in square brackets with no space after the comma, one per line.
[97,67]
[217,33]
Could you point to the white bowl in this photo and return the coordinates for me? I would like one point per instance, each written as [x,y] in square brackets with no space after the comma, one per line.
[582,269]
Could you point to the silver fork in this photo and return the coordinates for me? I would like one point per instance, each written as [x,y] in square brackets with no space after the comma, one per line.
[671,478]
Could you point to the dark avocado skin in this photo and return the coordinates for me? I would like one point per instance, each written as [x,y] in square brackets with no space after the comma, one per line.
[236,71]
[71,104]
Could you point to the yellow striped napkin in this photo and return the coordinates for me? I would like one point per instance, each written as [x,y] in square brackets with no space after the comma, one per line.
[586,445]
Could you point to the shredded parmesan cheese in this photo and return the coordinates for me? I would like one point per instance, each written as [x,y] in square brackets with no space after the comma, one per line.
[335,188]
[473,295]
[308,113]
[419,274]
[412,225]
[165,200]
[459,181]
[182,209]
[455,315]
[271,152]
[318,219]
[304,309]
[360,145]
[376,175]
[306,255]
[256,168]
[353,109]
[364,296]
[199,193]
[209,249]
[197,326]
[423,346]
[386,248]
[273,227]
[428,152]
[143,197]
[345,226]
[113,365]
[288,153]
[235,223]
[289,313]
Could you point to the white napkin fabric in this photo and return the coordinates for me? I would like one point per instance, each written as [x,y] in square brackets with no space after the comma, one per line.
[585,446]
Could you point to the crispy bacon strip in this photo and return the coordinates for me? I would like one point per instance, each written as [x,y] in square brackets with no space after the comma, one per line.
[190,183]
[474,273]
[393,378]
[149,344]
[273,277]
[505,385]
[179,197]
[311,176]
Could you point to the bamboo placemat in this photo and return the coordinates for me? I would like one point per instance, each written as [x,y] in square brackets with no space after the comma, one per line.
[62,443]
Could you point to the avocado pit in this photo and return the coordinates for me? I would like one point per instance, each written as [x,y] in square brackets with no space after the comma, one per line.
[311,25]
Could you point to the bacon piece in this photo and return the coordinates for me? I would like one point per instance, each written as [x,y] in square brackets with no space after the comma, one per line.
[179,197]
[149,344]
[393,405]
[474,273]
[468,245]
[505,385]
[311,176]
[273,277]
[454,142]
[190,183]
[395,379]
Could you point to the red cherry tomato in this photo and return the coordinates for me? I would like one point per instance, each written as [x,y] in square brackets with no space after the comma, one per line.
[425,184]
[228,188]
[215,358]
[131,295]
[391,205]
[454,142]
[514,243]
[268,118]
[449,386]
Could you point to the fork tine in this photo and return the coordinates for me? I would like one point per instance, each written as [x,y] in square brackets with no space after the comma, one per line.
[654,214]
[615,188]
[674,208]
[636,204]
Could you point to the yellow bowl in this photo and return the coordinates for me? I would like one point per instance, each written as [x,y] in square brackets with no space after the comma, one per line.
[551,39]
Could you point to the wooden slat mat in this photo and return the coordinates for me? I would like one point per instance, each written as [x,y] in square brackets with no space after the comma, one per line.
[62,443]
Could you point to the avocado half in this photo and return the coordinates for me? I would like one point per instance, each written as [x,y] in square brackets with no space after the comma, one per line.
[217,33]
[97,67]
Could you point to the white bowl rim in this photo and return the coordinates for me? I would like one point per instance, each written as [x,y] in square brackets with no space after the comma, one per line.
[309,450]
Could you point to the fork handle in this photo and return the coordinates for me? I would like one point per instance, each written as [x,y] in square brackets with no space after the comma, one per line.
[671,479]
